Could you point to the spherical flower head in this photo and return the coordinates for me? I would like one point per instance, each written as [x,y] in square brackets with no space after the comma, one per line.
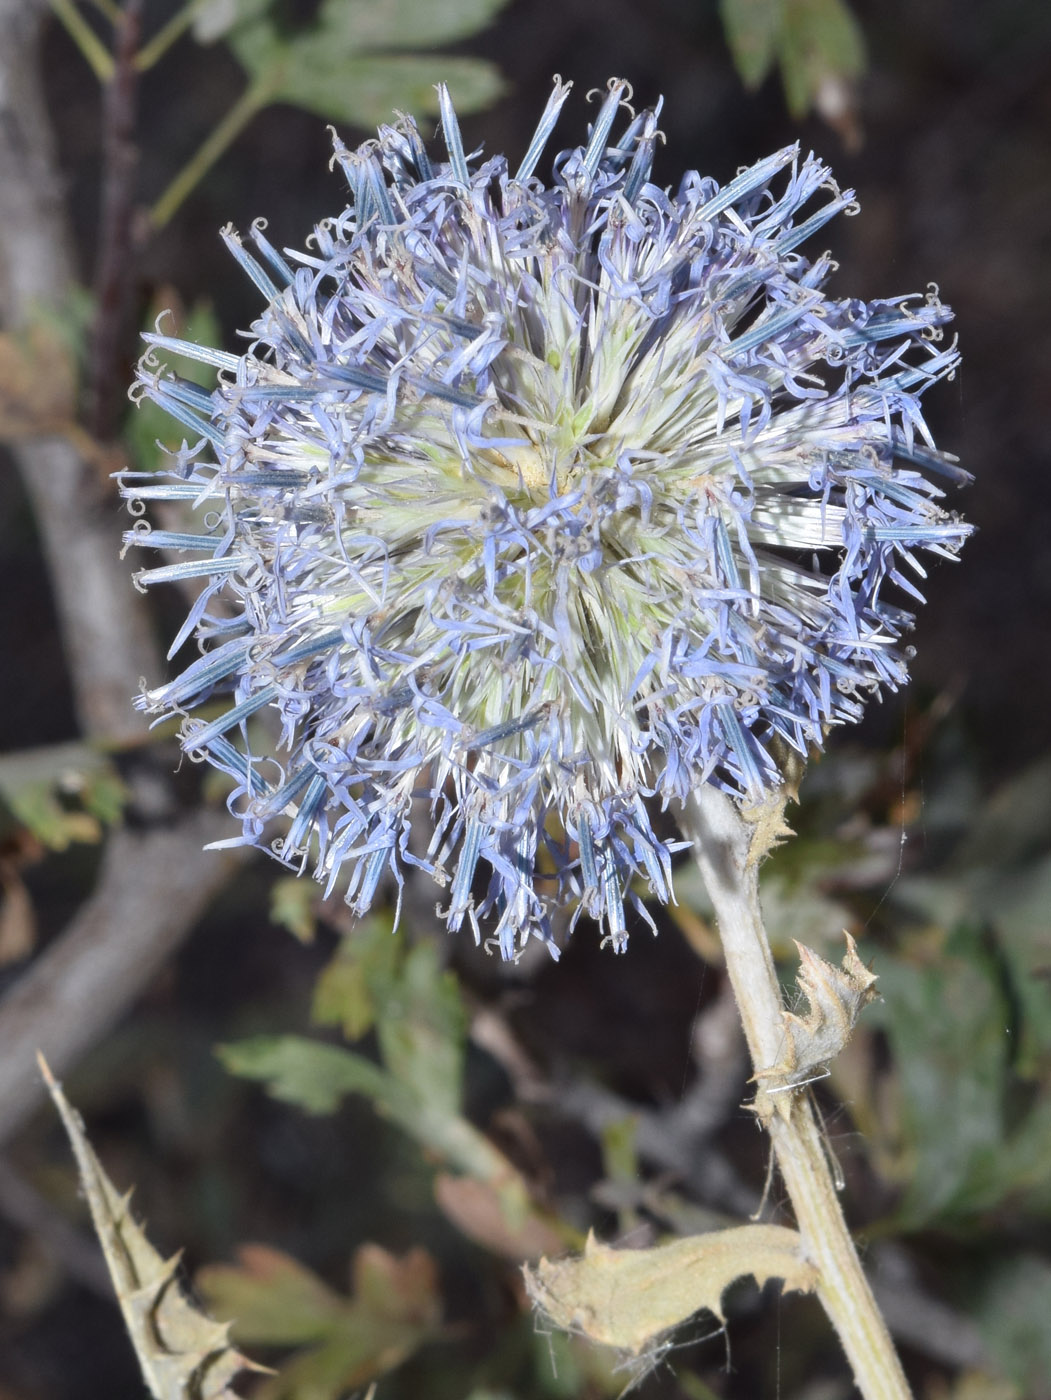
[542,505]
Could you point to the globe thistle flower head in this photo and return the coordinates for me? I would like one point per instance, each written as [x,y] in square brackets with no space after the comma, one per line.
[541,505]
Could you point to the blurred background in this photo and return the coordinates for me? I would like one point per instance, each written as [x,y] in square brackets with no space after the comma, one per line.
[609,1089]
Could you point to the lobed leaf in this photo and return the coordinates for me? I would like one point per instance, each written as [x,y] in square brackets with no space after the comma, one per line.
[631,1298]
[394,1307]
[308,1073]
[752,28]
[819,40]
[340,66]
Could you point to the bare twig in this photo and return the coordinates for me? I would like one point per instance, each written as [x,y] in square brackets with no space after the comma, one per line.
[76,1251]
[151,890]
[105,627]
[115,269]
[676,1138]
[153,884]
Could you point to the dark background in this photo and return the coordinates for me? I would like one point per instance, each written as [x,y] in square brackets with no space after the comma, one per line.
[952,175]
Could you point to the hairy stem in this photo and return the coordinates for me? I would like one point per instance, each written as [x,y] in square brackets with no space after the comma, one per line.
[722,840]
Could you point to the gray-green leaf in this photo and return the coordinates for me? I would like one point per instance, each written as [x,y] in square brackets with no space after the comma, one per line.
[752,28]
[305,1072]
[334,68]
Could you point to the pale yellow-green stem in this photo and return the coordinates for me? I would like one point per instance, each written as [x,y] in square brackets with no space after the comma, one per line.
[723,842]
[167,35]
[94,51]
[252,100]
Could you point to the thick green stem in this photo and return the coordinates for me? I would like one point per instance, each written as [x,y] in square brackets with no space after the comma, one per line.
[722,841]
[252,100]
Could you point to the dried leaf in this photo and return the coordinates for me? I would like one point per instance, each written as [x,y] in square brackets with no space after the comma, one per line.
[630,1298]
[38,383]
[478,1211]
[184,1355]
[17,917]
[769,827]
[836,997]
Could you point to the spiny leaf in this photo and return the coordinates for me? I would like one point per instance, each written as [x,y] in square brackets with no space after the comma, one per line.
[184,1355]
[836,998]
[631,1298]
[769,827]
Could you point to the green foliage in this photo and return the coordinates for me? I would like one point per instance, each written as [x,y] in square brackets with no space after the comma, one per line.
[342,67]
[1000,873]
[422,1031]
[968,1013]
[420,1025]
[421,1028]
[1014,1305]
[949,1021]
[292,905]
[347,990]
[62,793]
[753,30]
[394,1307]
[312,1075]
[813,41]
